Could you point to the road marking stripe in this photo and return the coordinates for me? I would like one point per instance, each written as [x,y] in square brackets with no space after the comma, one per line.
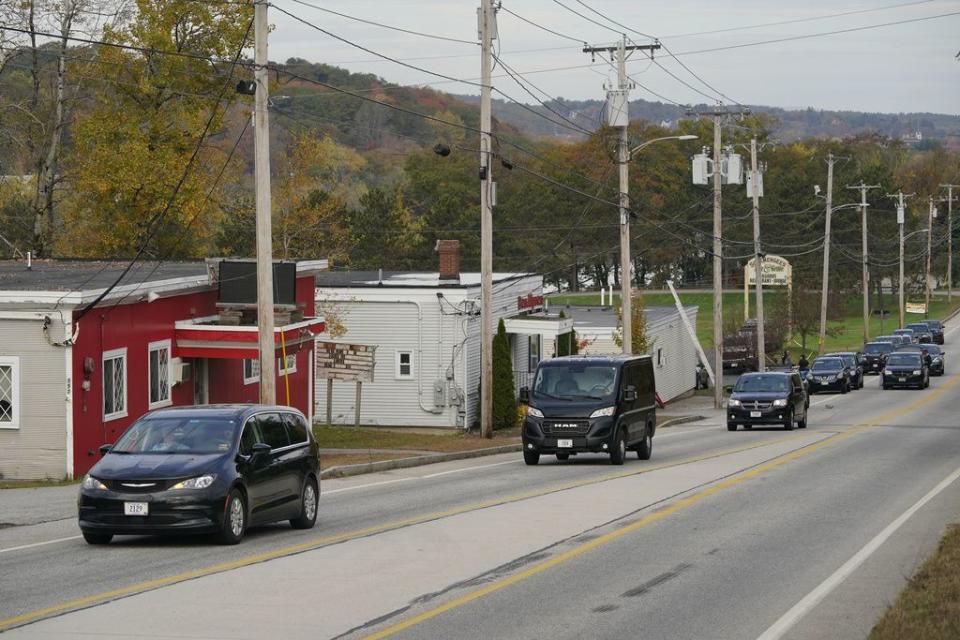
[656,516]
[812,599]
[38,544]
[327,492]
[149,585]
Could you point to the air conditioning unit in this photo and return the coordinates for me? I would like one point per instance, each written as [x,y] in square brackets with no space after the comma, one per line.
[180,371]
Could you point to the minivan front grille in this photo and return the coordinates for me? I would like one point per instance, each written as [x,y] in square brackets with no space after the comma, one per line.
[139,486]
[566,427]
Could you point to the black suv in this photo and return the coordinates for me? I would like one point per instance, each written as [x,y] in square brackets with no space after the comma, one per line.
[905,369]
[599,404]
[829,374]
[937,356]
[936,330]
[875,355]
[921,332]
[768,398]
[209,469]
[854,363]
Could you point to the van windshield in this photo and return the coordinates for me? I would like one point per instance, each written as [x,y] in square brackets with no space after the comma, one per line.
[167,435]
[762,383]
[576,381]
[878,347]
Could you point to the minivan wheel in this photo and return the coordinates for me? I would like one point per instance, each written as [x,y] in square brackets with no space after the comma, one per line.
[234,519]
[619,453]
[97,538]
[802,422]
[308,506]
[563,456]
[788,423]
[531,457]
[645,450]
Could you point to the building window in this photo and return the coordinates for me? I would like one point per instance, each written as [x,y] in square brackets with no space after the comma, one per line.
[533,351]
[159,356]
[404,365]
[289,367]
[661,359]
[114,384]
[9,392]
[251,371]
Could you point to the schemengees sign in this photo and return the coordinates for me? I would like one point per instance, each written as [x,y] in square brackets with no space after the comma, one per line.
[777,272]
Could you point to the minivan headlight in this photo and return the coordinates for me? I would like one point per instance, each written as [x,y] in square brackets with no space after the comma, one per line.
[780,402]
[917,372]
[606,411]
[534,412]
[733,402]
[201,482]
[89,482]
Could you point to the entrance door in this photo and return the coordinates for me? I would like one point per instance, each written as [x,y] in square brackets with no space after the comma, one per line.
[201,390]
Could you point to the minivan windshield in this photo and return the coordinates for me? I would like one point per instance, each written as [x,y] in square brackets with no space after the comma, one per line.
[178,435]
[827,364]
[901,359]
[878,347]
[576,381]
[747,384]
[918,328]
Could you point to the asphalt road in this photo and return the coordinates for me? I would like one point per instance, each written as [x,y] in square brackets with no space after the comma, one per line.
[720,535]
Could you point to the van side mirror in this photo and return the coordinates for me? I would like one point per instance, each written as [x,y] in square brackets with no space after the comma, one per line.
[105,449]
[630,395]
[259,451]
[728,389]
[525,395]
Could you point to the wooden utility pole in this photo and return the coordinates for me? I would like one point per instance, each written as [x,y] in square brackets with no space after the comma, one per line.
[758,256]
[949,188]
[261,128]
[926,289]
[863,188]
[831,160]
[487,26]
[619,117]
[901,219]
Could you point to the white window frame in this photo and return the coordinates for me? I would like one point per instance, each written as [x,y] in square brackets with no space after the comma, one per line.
[115,354]
[661,358]
[14,363]
[160,345]
[254,368]
[396,362]
[291,365]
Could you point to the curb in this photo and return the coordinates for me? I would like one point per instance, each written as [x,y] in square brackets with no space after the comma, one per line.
[419,461]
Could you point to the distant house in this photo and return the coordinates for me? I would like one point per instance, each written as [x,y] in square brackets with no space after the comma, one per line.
[164,336]
[426,329]
[673,352]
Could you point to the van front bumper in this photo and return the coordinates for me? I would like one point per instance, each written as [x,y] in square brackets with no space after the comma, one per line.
[551,435]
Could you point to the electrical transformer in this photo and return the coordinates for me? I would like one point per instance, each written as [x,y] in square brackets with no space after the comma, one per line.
[618,110]
[750,184]
[701,168]
[732,168]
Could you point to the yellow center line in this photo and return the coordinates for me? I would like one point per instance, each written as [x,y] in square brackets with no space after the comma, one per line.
[658,515]
[149,585]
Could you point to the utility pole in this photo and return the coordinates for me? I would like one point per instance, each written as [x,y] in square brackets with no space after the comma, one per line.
[926,289]
[261,129]
[901,219]
[619,117]
[831,160]
[487,20]
[758,256]
[863,188]
[949,188]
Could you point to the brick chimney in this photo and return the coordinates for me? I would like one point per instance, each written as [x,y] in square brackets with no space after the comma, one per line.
[449,251]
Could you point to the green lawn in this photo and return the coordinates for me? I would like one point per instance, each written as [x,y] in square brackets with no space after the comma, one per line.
[847,331]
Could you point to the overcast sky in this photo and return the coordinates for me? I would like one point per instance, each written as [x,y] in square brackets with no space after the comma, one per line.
[910,67]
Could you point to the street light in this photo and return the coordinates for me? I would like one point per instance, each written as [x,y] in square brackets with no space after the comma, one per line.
[626,311]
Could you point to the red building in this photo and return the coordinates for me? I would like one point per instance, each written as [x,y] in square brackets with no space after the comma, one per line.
[73,378]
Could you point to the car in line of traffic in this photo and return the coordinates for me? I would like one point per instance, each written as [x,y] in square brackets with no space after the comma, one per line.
[905,369]
[214,469]
[937,362]
[768,398]
[875,355]
[830,374]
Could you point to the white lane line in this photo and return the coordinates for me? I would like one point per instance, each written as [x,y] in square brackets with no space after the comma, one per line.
[364,486]
[38,544]
[812,599]
[827,399]
[479,466]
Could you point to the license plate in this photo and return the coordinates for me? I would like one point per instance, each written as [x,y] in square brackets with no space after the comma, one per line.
[754,414]
[903,379]
[136,508]
[564,444]
[876,366]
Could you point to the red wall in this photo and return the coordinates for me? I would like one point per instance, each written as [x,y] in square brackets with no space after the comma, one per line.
[134,326]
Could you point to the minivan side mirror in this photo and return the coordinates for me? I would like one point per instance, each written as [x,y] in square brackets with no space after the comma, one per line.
[105,449]
[259,450]
[525,395]
[728,388]
[630,394]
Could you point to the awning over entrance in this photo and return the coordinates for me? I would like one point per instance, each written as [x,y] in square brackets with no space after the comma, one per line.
[547,326]
[204,338]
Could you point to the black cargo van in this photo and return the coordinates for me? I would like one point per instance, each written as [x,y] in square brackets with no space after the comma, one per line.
[599,404]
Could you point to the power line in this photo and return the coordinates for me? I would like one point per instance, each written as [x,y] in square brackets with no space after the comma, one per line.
[543,28]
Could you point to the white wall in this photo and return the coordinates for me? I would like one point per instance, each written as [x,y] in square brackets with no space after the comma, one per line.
[38,448]
[676,374]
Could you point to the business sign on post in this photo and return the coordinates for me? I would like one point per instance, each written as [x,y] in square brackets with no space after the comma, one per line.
[341,361]
[916,307]
[777,272]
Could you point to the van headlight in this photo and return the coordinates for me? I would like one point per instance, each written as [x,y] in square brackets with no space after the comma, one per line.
[780,402]
[917,372]
[89,482]
[201,482]
[733,402]
[606,411]
[534,412]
